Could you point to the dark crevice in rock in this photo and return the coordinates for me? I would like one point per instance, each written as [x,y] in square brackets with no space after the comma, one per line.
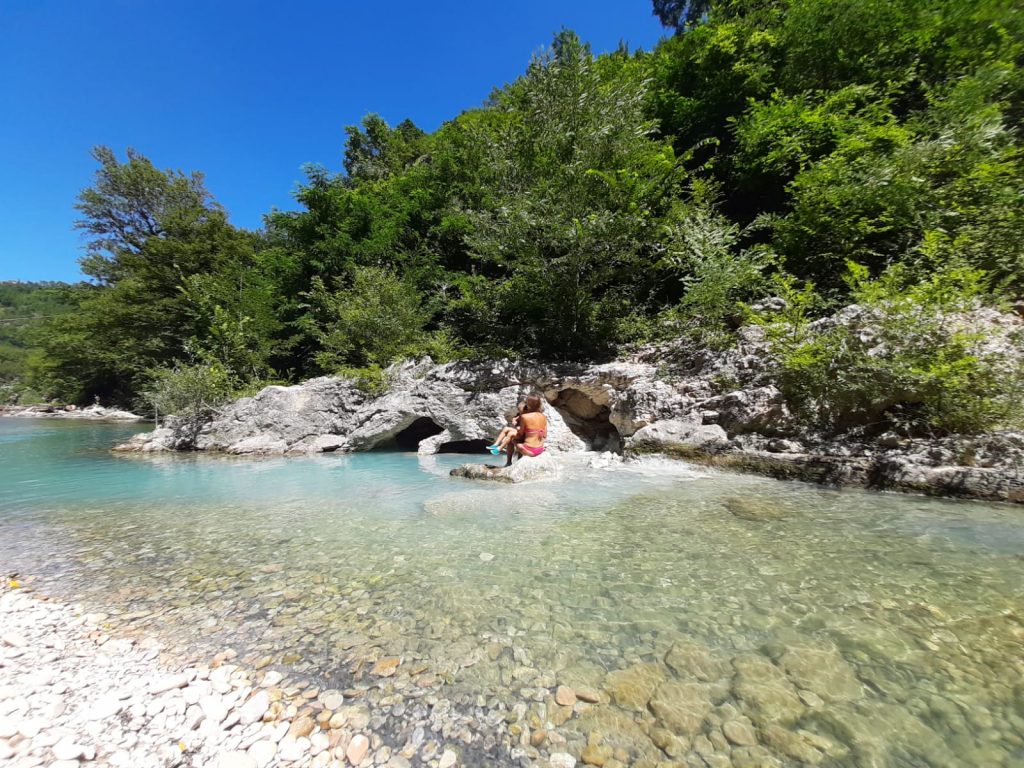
[409,438]
[588,419]
[464,446]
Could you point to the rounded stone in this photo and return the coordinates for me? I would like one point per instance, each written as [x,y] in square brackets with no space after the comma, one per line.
[739,733]
[590,695]
[68,749]
[255,708]
[333,700]
[596,754]
[357,749]
[302,726]
[213,708]
[565,696]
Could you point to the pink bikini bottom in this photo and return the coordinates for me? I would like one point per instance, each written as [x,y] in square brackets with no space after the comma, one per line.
[531,450]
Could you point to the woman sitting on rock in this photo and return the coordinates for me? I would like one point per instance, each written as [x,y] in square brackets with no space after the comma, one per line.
[533,429]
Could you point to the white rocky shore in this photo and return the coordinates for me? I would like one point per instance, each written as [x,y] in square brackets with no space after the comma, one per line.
[90,413]
[72,695]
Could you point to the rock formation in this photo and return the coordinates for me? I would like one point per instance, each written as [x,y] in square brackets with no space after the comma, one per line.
[720,408]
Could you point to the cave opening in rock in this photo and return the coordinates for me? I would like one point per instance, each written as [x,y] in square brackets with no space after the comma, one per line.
[464,446]
[409,438]
[588,418]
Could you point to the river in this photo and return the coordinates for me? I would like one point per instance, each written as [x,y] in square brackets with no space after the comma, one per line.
[718,619]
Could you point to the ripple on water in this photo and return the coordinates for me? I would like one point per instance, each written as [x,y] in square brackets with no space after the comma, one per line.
[728,616]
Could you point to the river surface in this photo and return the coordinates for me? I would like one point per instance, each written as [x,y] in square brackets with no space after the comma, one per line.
[718,619]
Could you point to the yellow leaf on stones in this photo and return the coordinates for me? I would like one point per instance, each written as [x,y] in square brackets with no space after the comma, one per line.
[386,667]
[181,746]
[14,584]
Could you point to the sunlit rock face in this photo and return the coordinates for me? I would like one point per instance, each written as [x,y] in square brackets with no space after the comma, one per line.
[429,408]
[439,409]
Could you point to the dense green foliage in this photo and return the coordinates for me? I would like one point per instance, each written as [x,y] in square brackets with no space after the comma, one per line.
[913,356]
[600,201]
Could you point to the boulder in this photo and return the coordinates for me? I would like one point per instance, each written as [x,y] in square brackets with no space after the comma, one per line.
[678,437]
[632,687]
[761,409]
[681,706]
[525,469]
[754,508]
[332,414]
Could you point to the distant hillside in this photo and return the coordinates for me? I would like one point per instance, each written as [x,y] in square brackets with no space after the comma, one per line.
[24,307]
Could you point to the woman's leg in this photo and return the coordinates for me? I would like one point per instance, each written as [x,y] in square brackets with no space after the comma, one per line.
[511,451]
[501,441]
[506,435]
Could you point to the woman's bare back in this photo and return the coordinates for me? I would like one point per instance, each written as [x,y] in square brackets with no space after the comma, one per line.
[533,428]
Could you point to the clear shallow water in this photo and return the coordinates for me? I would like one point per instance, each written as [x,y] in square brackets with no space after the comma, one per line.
[836,628]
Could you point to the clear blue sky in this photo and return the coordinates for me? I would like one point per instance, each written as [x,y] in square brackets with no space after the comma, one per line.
[246,92]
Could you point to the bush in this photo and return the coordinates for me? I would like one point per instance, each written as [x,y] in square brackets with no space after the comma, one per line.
[378,319]
[191,392]
[907,355]
[703,248]
[371,380]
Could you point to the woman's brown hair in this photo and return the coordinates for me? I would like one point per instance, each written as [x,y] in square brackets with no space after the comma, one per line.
[534,404]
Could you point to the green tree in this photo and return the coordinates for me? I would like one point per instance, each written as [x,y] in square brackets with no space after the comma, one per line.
[374,150]
[909,355]
[576,184]
[131,203]
[153,232]
[25,311]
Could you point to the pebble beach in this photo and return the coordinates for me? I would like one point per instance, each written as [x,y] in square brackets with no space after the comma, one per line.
[73,695]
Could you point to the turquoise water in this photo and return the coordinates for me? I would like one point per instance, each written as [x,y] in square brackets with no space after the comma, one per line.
[835,628]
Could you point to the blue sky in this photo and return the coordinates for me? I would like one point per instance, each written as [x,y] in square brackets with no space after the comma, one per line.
[246,92]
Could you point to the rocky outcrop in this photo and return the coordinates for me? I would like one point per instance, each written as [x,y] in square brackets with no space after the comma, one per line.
[432,408]
[881,470]
[720,408]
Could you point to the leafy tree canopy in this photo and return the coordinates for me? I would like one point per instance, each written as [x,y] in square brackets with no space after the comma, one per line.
[596,202]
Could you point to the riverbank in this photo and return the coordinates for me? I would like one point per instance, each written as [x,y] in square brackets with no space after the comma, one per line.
[75,694]
[90,413]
